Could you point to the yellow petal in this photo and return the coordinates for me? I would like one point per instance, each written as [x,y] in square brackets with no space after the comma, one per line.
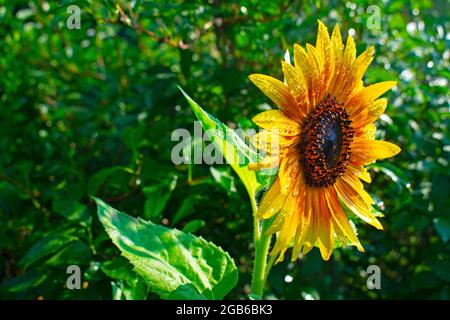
[362,63]
[360,172]
[313,229]
[336,43]
[349,54]
[288,173]
[303,225]
[325,234]
[375,90]
[297,86]
[286,209]
[355,200]
[287,231]
[354,83]
[340,219]
[300,181]
[315,71]
[367,151]
[337,47]
[368,132]
[358,186]
[275,120]
[303,65]
[363,99]
[278,222]
[277,91]
[325,55]
[269,142]
[342,89]
[271,202]
[338,234]
[375,110]
[271,161]
[300,60]
[323,42]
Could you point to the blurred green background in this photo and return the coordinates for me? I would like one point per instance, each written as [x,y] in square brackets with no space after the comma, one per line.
[90,111]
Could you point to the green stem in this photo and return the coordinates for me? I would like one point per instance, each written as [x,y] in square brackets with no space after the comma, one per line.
[256,231]
[189,173]
[262,245]
[269,267]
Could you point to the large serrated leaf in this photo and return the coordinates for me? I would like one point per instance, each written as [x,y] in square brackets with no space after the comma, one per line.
[176,265]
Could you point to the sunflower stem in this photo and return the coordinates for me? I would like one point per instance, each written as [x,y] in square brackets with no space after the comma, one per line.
[256,231]
[262,245]
[269,266]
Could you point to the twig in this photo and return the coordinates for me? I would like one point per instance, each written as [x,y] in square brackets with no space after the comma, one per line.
[122,196]
[30,193]
[135,25]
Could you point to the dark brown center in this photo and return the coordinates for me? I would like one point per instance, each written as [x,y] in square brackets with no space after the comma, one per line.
[325,146]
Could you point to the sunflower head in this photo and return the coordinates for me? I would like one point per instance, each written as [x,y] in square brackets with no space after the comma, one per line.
[324,135]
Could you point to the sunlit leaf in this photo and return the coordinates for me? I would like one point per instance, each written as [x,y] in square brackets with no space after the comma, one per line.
[193,226]
[174,264]
[231,146]
[52,243]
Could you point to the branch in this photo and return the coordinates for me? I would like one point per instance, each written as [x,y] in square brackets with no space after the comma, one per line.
[135,25]
[30,193]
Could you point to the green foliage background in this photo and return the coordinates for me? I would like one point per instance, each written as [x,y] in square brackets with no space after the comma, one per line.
[90,112]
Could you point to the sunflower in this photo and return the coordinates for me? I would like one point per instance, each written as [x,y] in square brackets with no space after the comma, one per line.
[321,138]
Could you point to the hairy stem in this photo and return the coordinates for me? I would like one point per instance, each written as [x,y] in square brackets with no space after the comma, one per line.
[262,245]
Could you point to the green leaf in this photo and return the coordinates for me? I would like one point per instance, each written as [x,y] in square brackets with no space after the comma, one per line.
[76,252]
[100,177]
[127,285]
[194,225]
[186,208]
[186,62]
[425,280]
[441,267]
[126,291]
[157,197]
[175,265]
[223,178]
[72,211]
[442,225]
[233,149]
[52,243]
[393,172]
[119,269]
[253,296]
[133,137]
[24,281]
